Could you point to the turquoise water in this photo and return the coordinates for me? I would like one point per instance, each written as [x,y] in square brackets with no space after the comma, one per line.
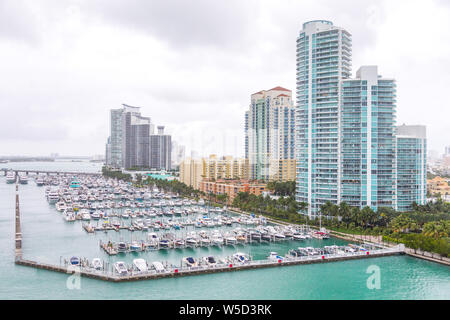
[47,237]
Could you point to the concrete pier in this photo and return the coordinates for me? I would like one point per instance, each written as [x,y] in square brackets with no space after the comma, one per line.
[180,272]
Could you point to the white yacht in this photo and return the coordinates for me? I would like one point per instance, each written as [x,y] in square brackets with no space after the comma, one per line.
[140,265]
[121,268]
[97,264]
[23,179]
[158,266]
[190,262]
[61,206]
[69,216]
[39,182]
[11,177]
[275,257]
[53,196]
[241,257]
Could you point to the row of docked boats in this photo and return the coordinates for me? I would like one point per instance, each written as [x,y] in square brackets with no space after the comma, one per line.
[205,238]
[12,177]
[141,266]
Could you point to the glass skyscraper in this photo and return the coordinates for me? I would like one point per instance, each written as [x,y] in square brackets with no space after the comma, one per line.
[411,166]
[323,59]
[346,144]
[368,118]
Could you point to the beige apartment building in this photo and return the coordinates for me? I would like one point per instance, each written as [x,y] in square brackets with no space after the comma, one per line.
[193,171]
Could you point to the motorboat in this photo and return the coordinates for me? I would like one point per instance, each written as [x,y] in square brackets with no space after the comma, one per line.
[39,182]
[190,262]
[273,256]
[140,265]
[69,216]
[230,240]
[53,196]
[210,261]
[11,177]
[179,243]
[75,261]
[241,257]
[135,246]
[191,241]
[121,268]
[60,206]
[158,266]
[121,247]
[97,264]
[23,179]
[164,243]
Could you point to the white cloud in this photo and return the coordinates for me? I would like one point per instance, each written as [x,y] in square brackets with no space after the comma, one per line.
[192,65]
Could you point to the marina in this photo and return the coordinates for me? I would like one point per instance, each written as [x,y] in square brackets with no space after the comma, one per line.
[173,223]
[49,239]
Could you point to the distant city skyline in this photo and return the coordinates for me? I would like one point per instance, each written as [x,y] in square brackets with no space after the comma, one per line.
[67,63]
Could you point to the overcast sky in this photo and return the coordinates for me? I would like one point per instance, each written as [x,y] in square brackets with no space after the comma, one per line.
[192,65]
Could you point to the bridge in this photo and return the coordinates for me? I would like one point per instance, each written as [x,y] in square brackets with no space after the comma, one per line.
[44,172]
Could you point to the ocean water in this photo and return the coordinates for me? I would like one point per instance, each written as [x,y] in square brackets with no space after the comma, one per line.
[48,238]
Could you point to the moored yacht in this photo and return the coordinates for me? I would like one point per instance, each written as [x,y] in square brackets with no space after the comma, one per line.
[140,265]
[10,177]
[121,268]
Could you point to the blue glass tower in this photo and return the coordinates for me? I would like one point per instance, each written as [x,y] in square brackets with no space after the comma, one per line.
[368,119]
[323,60]
[411,166]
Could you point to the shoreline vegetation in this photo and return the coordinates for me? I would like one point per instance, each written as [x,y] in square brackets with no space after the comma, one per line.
[425,227]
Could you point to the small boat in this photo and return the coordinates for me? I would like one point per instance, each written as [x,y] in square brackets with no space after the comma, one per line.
[210,261]
[140,265]
[75,261]
[190,241]
[241,257]
[121,247]
[121,268]
[69,216]
[230,240]
[190,262]
[275,257]
[23,179]
[97,264]
[135,246]
[179,243]
[39,182]
[158,266]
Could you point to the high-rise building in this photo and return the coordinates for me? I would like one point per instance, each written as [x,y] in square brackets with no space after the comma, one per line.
[136,131]
[411,166]
[269,135]
[323,60]
[347,147]
[367,138]
[160,150]
[115,138]
[191,171]
[129,141]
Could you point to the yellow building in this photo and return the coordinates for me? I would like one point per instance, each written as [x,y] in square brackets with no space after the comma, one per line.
[191,171]
[225,167]
[438,185]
